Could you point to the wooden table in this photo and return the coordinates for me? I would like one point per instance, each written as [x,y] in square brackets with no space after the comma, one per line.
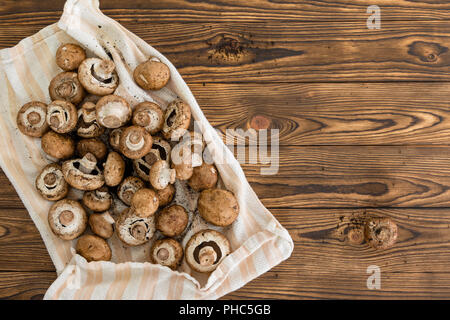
[364,120]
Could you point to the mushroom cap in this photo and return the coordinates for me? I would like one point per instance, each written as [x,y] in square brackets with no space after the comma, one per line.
[31,119]
[161,175]
[67,219]
[98,200]
[206,249]
[152,74]
[380,233]
[166,252]
[135,142]
[98,76]
[57,145]
[218,207]
[177,119]
[134,230]
[69,56]
[51,184]
[102,224]
[148,115]
[93,248]
[172,220]
[66,86]
[184,160]
[128,187]
[114,138]
[62,116]
[114,169]
[92,145]
[113,111]
[83,174]
[160,151]
[88,126]
[166,195]
[203,177]
[145,202]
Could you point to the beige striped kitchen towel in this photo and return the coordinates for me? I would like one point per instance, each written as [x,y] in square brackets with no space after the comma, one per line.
[258,240]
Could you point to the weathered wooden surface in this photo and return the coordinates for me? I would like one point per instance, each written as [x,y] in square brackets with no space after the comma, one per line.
[363,117]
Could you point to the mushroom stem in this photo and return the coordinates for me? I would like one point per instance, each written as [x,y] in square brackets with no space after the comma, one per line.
[207,256]
[135,141]
[103,70]
[88,163]
[50,179]
[66,217]
[162,254]
[138,231]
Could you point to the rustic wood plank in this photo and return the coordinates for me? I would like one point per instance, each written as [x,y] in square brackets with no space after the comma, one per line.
[25,285]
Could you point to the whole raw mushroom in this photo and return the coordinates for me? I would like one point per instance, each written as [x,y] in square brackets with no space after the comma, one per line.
[218,207]
[69,56]
[31,119]
[57,145]
[51,184]
[93,248]
[152,74]
[167,252]
[102,224]
[98,76]
[67,219]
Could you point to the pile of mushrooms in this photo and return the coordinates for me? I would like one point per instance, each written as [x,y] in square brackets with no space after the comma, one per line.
[113,152]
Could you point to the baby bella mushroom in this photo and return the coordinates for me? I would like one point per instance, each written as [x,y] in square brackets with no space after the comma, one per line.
[97,200]
[161,175]
[31,119]
[145,202]
[167,252]
[69,56]
[203,177]
[62,116]
[148,115]
[113,169]
[218,207]
[160,151]
[57,145]
[88,126]
[51,184]
[128,188]
[83,174]
[135,142]
[92,145]
[152,74]
[134,230]
[181,157]
[165,196]
[380,233]
[177,119]
[172,221]
[112,111]
[102,224]
[66,86]
[206,249]
[67,219]
[98,76]
[114,138]
[93,248]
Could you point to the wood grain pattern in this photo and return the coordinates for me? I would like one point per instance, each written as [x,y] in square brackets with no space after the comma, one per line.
[25,285]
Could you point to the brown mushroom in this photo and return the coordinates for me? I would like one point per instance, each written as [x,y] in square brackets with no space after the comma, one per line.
[181,157]
[114,138]
[88,126]
[62,116]
[66,86]
[166,195]
[206,249]
[31,119]
[128,187]
[93,248]
[161,175]
[57,145]
[160,151]
[167,252]
[144,202]
[102,224]
[135,142]
[69,56]
[218,207]
[203,177]
[134,230]
[114,169]
[98,76]
[97,200]
[177,119]
[148,115]
[380,233]
[113,111]
[51,184]
[172,221]
[152,74]
[92,145]
[83,174]
[67,219]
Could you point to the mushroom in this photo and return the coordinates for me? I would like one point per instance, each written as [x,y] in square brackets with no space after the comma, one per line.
[380,233]
[92,145]
[181,157]
[144,202]
[114,138]
[83,174]
[62,116]
[51,184]
[114,169]
[206,249]
[67,219]
[102,224]
[98,200]
[98,76]
[57,145]
[93,248]
[160,151]
[135,142]
[161,175]
[165,196]
[218,207]
[166,252]
[88,126]
[172,221]
[31,119]
[134,230]
[203,177]
[152,74]
[69,56]
[66,86]
[113,111]
[128,187]
[177,119]
[148,115]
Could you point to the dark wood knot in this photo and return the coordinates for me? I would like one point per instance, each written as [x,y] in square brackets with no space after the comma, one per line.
[426,51]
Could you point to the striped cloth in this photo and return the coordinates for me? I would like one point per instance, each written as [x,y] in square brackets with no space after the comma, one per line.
[258,241]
